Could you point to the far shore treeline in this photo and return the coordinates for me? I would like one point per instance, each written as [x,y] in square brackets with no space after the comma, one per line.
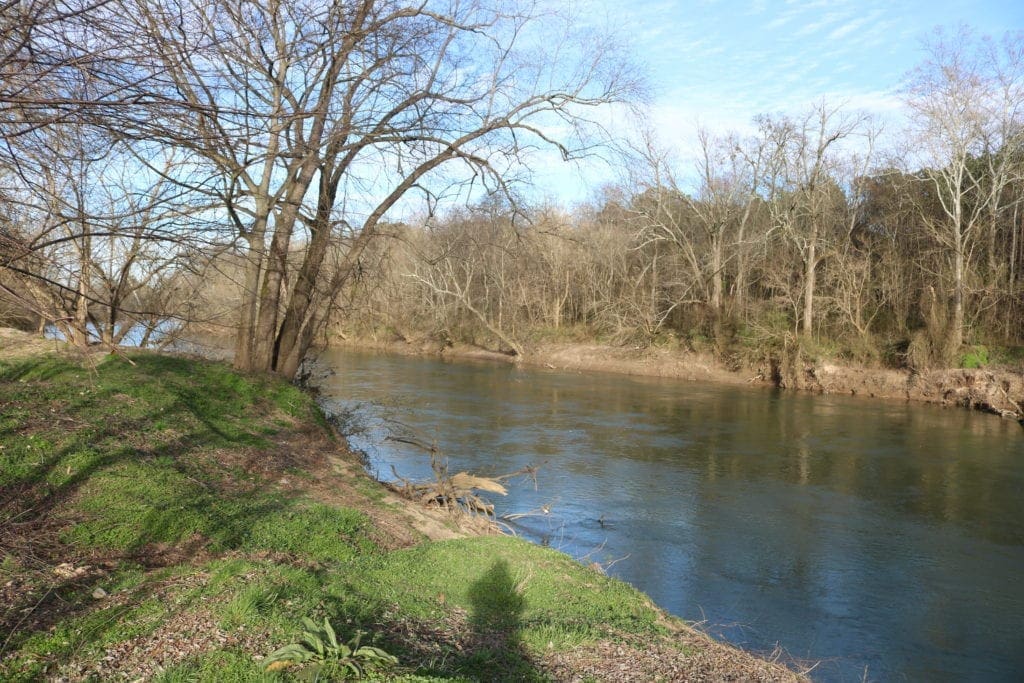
[283,171]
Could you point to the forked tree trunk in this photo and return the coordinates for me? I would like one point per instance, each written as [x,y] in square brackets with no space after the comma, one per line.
[297,328]
[265,333]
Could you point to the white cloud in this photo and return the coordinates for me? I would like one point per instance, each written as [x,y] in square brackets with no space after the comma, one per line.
[720,64]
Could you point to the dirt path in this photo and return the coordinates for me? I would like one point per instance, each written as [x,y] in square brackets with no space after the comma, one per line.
[17,344]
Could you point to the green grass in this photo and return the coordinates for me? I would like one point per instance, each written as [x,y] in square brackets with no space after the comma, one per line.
[1010,357]
[215,667]
[498,575]
[89,625]
[520,599]
[975,357]
[114,465]
[136,449]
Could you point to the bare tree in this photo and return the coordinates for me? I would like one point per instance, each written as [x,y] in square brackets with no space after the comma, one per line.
[469,267]
[709,229]
[91,234]
[808,206]
[967,102]
[64,214]
[314,118]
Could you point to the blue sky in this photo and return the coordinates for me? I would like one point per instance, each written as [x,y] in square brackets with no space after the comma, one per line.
[734,59]
[720,63]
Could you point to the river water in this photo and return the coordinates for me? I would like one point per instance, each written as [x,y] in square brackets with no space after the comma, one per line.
[884,540]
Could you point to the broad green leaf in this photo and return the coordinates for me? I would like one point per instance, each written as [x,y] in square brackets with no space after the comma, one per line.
[289,653]
[332,638]
[313,642]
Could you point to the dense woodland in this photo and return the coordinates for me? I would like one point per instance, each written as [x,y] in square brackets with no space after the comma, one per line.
[791,242]
[284,171]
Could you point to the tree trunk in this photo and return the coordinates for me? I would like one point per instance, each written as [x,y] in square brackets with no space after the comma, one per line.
[654,314]
[299,326]
[265,333]
[810,265]
[1011,277]
[739,284]
[296,333]
[716,277]
[266,342]
[955,338]
[250,300]
[80,336]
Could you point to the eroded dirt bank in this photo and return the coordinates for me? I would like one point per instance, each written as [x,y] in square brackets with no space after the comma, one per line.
[997,391]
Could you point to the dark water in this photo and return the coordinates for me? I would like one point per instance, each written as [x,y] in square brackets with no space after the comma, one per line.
[884,539]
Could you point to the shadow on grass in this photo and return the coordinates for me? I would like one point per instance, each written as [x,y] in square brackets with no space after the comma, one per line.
[61,619]
[483,643]
[164,408]
[496,652]
[139,464]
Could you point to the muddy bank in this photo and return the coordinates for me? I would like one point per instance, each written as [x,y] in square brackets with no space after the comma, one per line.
[997,391]
[15,343]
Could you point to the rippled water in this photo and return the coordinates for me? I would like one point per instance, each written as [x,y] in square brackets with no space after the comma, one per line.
[881,538]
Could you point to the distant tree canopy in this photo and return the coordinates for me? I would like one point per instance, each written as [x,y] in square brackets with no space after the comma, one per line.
[789,239]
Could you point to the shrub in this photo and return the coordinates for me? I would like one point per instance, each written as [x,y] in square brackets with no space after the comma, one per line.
[976,357]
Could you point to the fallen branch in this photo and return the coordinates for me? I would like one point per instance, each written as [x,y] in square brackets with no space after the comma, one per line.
[455,492]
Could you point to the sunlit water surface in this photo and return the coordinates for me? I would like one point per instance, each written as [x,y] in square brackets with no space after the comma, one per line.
[884,539]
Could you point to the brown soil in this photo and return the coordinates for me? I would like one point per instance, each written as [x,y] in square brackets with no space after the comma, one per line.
[681,654]
[15,343]
[336,477]
[995,391]
[686,656]
[186,634]
[649,362]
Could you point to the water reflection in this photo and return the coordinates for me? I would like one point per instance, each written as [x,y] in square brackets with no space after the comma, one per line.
[875,535]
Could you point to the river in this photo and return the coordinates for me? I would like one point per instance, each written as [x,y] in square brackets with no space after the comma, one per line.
[884,540]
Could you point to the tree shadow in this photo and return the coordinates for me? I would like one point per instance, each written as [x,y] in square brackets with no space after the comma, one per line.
[185,501]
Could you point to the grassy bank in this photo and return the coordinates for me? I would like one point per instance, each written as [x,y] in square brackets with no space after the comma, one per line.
[174,520]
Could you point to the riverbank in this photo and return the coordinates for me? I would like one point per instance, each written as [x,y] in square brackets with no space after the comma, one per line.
[997,391]
[166,518]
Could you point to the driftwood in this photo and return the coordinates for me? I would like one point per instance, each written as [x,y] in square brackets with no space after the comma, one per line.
[456,492]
